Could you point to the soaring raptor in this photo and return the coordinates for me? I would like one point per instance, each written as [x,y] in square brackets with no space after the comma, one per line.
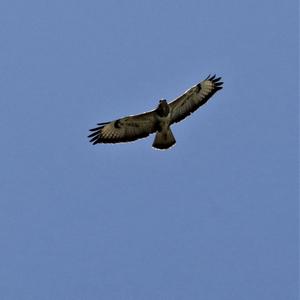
[131,128]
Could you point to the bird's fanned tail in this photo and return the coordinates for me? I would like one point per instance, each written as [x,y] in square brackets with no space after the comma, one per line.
[164,139]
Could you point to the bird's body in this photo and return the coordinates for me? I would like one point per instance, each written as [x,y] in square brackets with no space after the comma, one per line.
[131,128]
[164,138]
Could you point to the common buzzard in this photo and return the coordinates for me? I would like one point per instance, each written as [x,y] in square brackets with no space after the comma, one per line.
[131,128]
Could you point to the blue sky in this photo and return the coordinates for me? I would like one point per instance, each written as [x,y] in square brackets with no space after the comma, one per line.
[214,218]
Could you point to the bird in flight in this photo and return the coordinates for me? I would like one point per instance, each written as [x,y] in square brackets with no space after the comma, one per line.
[159,120]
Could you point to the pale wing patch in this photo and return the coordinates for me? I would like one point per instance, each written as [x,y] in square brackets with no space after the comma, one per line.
[125,129]
[192,99]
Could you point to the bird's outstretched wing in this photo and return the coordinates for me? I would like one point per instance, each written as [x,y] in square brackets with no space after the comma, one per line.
[126,129]
[193,98]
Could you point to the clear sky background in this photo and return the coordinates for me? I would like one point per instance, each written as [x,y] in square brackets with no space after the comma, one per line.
[213,218]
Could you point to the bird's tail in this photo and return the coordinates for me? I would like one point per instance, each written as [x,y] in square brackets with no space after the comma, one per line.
[164,139]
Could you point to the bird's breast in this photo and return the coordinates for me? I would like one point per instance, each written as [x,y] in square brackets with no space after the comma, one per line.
[164,122]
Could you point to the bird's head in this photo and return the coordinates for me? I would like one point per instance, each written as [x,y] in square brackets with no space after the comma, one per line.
[163,108]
